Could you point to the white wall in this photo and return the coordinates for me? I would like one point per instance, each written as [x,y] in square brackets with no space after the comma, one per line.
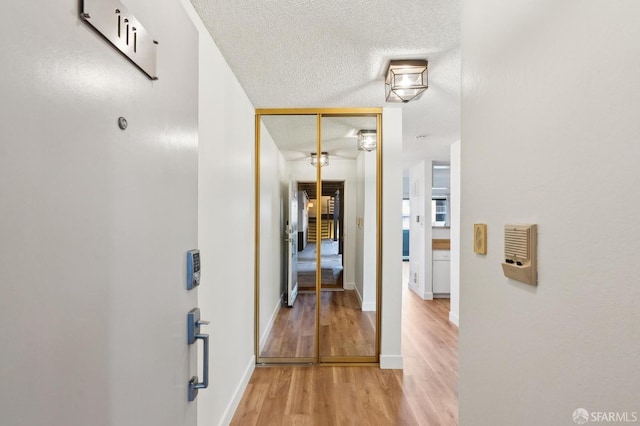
[454,307]
[96,221]
[225,229]
[550,129]
[391,354]
[273,200]
[366,230]
[370,231]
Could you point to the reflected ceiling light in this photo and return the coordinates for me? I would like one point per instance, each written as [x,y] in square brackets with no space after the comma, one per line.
[406,80]
[367,140]
[324,159]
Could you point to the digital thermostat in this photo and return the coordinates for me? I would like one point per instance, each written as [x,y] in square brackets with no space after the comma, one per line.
[193,269]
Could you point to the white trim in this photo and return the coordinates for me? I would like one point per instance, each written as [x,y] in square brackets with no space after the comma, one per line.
[427,295]
[237,394]
[391,362]
[364,306]
[272,320]
[454,319]
[359,295]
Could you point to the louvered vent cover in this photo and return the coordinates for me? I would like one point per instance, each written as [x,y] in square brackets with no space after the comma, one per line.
[516,242]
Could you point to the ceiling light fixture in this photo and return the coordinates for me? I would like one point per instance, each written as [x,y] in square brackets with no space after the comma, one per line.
[324,159]
[406,80]
[367,140]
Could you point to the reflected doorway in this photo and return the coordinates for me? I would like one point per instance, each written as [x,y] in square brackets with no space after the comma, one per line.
[328,208]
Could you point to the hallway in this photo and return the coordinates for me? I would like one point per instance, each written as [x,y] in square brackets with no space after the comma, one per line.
[424,393]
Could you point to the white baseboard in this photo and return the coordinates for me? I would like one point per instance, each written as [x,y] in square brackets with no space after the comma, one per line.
[272,320]
[239,391]
[359,296]
[391,362]
[454,319]
[349,286]
[426,295]
[365,306]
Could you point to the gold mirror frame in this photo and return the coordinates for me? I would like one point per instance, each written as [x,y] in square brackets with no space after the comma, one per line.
[320,113]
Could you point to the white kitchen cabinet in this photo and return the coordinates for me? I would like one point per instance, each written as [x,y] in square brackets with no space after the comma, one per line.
[441,273]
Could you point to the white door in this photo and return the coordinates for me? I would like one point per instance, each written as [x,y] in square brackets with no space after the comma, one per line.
[291,239]
[96,222]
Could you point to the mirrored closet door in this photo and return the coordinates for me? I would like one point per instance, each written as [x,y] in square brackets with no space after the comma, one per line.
[317,239]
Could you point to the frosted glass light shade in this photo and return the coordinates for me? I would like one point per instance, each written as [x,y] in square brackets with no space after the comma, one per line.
[367,140]
[324,159]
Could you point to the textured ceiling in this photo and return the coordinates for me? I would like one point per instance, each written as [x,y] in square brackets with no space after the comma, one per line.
[300,54]
[296,135]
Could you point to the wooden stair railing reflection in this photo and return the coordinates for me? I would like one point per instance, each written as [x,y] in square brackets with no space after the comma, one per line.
[326,232]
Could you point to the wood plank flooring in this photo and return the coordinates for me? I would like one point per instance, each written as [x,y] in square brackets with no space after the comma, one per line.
[345,330]
[424,393]
[293,331]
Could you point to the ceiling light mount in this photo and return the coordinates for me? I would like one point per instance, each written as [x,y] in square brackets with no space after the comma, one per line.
[406,80]
[367,140]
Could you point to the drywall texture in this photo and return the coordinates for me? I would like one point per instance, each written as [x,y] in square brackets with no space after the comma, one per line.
[96,221]
[550,134]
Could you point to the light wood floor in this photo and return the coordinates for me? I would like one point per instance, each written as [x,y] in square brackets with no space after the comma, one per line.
[424,393]
[345,330]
